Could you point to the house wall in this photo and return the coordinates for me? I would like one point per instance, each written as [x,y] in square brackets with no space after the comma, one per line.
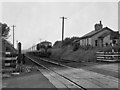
[106,40]
[85,42]
[95,37]
[80,42]
[90,41]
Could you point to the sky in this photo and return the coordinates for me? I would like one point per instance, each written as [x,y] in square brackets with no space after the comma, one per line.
[39,21]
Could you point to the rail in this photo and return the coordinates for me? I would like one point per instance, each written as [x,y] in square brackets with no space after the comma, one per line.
[108,56]
[39,64]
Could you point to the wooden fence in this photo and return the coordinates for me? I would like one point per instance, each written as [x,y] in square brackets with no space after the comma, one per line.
[10,60]
[108,56]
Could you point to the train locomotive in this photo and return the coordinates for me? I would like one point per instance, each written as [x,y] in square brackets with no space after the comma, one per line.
[41,49]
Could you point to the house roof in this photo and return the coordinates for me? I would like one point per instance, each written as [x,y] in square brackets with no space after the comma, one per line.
[104,35]
[92,33]
[115,35]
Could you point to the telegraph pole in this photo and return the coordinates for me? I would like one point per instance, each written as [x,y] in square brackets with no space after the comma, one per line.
[63,27]
[13,33]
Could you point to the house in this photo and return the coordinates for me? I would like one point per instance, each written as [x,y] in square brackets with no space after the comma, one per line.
[100,36]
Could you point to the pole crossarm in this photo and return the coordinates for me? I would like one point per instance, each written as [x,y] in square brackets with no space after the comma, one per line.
[63,17]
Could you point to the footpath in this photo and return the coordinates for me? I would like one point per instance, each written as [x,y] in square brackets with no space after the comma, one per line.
[31,79]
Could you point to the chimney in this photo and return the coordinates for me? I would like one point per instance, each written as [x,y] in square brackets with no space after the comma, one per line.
[98,26]
[100,22]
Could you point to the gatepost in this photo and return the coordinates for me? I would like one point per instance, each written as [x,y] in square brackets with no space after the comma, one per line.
[19,52]
[19,56]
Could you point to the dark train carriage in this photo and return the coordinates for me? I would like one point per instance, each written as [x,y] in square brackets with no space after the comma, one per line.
[43,47]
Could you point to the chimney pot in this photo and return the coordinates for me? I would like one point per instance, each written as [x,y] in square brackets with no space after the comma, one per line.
[100,22]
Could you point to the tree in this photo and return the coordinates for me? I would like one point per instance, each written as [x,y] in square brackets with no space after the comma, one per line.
[75,38]
[5,30]
[57,43]
[75,46]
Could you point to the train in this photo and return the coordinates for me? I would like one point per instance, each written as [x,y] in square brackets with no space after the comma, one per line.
[41,49]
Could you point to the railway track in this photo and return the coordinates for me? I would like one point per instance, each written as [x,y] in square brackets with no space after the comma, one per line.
[48,69]
[72,77]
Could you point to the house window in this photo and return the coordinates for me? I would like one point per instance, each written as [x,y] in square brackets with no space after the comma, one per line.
[114,41]
[106,44]
[96,42]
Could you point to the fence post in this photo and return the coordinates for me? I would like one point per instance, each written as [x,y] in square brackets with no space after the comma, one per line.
[19,52]
[19,56]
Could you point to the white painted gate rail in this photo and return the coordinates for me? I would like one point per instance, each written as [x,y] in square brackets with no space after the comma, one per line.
[10,60]
[108,56]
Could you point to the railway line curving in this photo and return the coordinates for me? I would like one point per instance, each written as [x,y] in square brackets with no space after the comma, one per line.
[68,83]
[71,77]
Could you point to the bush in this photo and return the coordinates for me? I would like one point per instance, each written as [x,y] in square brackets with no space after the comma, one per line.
[66,42]
[75,47]
[106,49]
[109,49]
[87,47]
[116,48]
[57,42]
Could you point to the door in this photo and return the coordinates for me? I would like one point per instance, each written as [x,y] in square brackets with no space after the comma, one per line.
[96,43]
